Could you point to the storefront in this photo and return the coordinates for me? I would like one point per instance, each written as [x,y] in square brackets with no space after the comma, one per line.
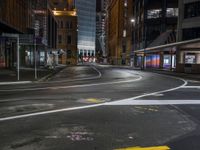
[180,57]
[189,58]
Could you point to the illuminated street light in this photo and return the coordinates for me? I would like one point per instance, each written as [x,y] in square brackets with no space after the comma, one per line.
[132,20]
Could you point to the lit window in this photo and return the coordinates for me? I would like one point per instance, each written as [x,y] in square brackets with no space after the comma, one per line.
[154,13]
[124,33]
[172,12]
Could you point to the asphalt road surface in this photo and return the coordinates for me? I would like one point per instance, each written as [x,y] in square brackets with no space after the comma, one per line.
[95,107]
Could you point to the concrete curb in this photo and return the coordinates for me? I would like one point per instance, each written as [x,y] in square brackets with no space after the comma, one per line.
[48,76]
[14,83]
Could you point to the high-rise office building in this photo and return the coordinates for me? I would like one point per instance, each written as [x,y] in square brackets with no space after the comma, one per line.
[101,30]
[86,12]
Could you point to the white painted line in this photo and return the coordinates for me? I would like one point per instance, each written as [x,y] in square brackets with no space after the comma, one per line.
[97,105]
[73,86]
[154,93]
[193,81]
[191,87]
[49,112]
[153,102]
[12,83]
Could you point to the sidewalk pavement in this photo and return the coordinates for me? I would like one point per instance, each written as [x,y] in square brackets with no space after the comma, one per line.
[188,76]
[27,75]
[166,72]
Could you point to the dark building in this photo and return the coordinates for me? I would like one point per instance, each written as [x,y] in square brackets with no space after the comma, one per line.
[34,24]
[45,32]
[155,24]
[188,56]
[154,18]
[15,18]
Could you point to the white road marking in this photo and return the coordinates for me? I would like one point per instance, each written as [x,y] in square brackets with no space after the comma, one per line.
[191,87]
[193,81]
[128,100]
[153,102]
[73,86]
[12,83]
[49,112]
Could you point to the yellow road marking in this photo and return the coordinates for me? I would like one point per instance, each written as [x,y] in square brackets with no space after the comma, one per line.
[93,100]
[146,148]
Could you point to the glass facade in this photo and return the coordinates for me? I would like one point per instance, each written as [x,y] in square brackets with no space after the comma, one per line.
[86,11]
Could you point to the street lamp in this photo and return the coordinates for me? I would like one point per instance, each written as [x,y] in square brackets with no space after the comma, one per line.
[133,40]
[132,21]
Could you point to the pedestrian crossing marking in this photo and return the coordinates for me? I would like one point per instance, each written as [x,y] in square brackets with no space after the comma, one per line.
[146,148]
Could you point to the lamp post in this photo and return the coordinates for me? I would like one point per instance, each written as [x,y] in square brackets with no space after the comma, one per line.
[133,41]
[35,58]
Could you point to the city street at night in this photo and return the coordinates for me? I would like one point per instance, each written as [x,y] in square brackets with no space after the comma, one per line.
[101,107]
[99,74]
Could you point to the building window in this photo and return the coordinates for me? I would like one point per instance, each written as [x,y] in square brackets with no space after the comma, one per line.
[69,54]
[192,10]
[172,12]
[68,24]
[59,39]
[124,33]
[154,13]
[192,33]
[61,24]
[69,39]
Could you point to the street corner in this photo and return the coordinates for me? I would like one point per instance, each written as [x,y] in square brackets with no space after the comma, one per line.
[145,148]
[94,100]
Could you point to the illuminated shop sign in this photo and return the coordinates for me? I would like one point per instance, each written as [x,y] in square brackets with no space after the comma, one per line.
[190,59]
